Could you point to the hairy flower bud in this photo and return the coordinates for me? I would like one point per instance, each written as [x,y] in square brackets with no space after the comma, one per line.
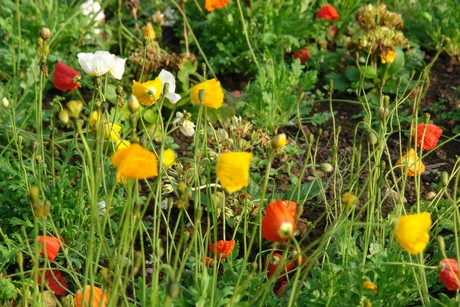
[278,141]
[133,104]
[5,102]
[45,33]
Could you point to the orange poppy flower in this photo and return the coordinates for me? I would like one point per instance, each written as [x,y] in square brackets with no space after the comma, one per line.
[55,280]
[328,12]
[135,162]
[100,297]
[274,262]
[222,248]
[303,55]
[51,246]
[211,5]
[448,274]
[279,221]
[430,139]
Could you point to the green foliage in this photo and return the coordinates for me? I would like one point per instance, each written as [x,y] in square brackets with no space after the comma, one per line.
[277,97]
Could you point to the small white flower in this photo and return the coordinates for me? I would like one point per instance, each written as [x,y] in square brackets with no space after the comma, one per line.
[167,77]
[169,19]
[185,126]
[102,207]
[92,9]
[101,62]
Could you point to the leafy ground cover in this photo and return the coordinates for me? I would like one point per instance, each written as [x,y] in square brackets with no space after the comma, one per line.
[229,153]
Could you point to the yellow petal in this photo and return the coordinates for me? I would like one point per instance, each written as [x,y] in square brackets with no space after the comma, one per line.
[411,231]
[233,170]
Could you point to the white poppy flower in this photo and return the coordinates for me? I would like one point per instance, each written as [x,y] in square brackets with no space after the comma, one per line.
[117,71]
[101,62]
[167,77]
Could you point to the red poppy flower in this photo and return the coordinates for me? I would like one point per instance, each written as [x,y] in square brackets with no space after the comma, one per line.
[279,221]
[222,248]
[328,12]
[55,280]
[449,277]
[281,288]
[431,137]
[65,77]
[51,246]
[274,262]
[303,55]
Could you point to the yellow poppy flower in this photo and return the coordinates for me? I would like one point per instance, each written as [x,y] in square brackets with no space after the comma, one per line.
[169,157]
[410,163]
[111,130]
[369,285]
[148,92]
[412,231]
[389,57]
[213,95]
[135,162]
[149,31]
[233,170]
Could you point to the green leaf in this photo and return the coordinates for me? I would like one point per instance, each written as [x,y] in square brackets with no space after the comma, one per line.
[369,72]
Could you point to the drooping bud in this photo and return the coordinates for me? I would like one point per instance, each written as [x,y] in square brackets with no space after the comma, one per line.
[326,167]
[349,199]
[74,108]
[383,113]
[372,137]
[444,178]
[45,33]
[5,102]
[133,104]
[64,116]
[278,141]
[430,195]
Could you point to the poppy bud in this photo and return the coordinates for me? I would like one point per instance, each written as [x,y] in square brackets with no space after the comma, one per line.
[5,102]
[349,199]
[372,137]
[133,104]
[326,167]
[441,244]
[430,195]
[383,113]
[278,141]
[45,33]
[444,178]
[173,288]
[34,194]
[64,116]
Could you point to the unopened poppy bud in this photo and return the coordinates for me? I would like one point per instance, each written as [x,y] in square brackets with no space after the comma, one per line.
[430,195]
[64,116]
[34,194]
[133,104]
[326,167]
[5,102]
[45,33]
[349,199]
[441,244]
[444,178]
[74,108]
[19,258]
[383,113]
[278,141]
[372,137]
[173,288]
[41,208]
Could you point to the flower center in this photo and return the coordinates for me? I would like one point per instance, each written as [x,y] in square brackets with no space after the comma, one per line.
[285,231]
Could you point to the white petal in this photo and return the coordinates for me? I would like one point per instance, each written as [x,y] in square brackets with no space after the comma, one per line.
[86,60]
[103,62]
[173,97]
[119,68]
[167,77]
